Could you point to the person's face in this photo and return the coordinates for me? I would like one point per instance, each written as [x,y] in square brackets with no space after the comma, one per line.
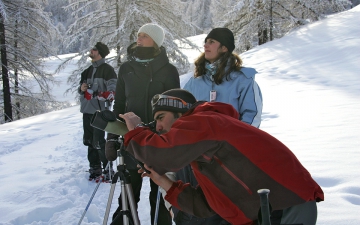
[144,40]
[94,54]
[164,121]
[213,50]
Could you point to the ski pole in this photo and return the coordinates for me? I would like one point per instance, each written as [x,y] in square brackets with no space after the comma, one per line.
[92,196]
[157,206]
[264,205]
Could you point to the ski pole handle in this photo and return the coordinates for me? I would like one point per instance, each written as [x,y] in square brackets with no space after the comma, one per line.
[264,205]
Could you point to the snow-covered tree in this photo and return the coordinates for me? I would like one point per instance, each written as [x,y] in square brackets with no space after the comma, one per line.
[198,12]
[256,22]
[26,33]
[116,22]
[62,19]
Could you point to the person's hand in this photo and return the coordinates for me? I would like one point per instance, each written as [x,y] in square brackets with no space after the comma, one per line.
[131,120]
[84,87]
[106,95]
[161,180]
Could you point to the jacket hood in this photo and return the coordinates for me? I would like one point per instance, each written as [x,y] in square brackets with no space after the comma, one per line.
[218,107]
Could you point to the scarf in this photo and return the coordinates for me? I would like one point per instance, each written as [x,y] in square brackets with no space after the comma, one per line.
[145,53]
[211,69]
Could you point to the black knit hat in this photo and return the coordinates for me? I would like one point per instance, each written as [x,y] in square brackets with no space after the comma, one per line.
[102,48]
[173,100]
[224,36]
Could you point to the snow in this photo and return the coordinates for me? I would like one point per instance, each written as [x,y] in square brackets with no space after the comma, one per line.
[310,85]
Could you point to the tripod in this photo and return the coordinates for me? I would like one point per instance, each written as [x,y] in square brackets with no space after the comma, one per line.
[126,192]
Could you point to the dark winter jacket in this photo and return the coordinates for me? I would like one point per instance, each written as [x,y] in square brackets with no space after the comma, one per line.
[138,82]
[104,79]
[231,160]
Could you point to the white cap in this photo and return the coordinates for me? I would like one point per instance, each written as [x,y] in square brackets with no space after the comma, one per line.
[154,31]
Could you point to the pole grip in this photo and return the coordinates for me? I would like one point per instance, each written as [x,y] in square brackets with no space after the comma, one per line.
[264,206]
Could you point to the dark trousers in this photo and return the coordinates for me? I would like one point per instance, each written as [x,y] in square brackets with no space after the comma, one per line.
[303,214]
[95,140]
[183,218]
[164,217]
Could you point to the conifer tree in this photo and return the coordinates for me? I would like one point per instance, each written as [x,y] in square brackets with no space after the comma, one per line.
[255,22]
[26,35]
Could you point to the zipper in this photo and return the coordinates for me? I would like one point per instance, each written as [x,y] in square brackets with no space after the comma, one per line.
[147,68]
[230,173]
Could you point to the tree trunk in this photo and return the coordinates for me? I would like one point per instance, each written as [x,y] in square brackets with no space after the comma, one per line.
[117,25]
[263,36]
[5,74]
[271,21]
[16,74]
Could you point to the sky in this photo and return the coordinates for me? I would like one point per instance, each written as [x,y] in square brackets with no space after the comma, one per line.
[310,85]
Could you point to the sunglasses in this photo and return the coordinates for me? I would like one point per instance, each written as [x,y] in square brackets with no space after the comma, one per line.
[155,100]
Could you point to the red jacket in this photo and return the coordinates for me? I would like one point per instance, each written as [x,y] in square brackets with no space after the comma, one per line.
[231,160]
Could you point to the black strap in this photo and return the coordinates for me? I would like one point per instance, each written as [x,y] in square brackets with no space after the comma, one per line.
[108,115]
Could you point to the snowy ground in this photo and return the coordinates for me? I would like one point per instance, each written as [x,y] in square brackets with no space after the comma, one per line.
[310,84]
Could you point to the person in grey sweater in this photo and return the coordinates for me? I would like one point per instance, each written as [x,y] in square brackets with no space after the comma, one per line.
[97,85]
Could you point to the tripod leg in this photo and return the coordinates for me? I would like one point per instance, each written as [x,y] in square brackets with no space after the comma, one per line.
[108,206]
[133,208]
[124,203]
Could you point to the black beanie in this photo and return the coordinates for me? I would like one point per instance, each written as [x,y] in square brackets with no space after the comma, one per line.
[173,105]
[103,49]
[224,36]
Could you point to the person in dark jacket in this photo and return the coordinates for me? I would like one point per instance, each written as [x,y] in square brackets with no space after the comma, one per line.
[231,161]
[97,84]
[146,73]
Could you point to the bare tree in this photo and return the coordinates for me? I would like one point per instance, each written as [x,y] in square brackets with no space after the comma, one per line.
[26,36]
[116,22]
[198,12]
[61,19]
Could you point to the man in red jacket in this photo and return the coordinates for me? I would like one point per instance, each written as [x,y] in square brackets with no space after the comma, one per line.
[230,159]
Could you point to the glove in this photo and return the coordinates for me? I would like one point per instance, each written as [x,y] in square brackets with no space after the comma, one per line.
[111,146]
[88,94]
[106,95]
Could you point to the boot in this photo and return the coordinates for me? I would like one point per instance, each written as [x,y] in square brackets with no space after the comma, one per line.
[94,172]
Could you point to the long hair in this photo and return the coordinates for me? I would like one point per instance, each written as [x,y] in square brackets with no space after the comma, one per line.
[233,59]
